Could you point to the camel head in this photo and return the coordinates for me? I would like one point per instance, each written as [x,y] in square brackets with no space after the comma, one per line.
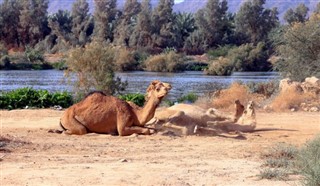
[250,111]
[158,89]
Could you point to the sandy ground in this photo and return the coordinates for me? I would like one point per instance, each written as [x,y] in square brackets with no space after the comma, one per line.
[32,156]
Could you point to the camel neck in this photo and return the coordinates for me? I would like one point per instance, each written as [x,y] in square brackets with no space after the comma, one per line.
[148,110]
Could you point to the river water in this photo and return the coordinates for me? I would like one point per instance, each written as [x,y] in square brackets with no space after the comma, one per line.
[138,81]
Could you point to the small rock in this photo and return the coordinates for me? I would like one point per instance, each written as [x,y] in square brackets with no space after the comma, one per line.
[314,109]
[293,110]
[123,160]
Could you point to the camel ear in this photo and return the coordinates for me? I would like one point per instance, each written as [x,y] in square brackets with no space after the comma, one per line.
[152,85]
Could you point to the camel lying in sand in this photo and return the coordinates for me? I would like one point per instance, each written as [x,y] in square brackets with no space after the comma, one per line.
[100,113]
[191,119]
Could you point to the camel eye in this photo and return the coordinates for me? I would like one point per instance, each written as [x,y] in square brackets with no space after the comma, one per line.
[158,89]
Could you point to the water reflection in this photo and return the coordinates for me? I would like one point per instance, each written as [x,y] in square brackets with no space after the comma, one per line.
[182,83]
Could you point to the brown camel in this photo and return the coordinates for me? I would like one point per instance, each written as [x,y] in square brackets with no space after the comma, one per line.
[100,113]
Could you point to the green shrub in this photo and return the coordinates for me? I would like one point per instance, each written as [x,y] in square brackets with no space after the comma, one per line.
[94,67]
[222,51]
[125,60]
[20,98]
[190,97]
[137,99]
[309,162]
[60,65]
[220,67]
[34,56]
[165,62]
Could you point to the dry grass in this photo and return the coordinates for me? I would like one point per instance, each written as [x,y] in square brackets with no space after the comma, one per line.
[291,98]
[225,99]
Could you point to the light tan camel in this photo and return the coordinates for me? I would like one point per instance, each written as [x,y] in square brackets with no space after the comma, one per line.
[184,117]
[100,113]
[246,123]
[191,119]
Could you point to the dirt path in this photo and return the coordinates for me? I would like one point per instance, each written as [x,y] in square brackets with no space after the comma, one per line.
[32,156]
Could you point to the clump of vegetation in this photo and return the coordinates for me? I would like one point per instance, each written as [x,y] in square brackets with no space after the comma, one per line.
[94,69]
[299,49]
[21,98]
[220,67]
[125,60]
[165,62]
[247,57]
[60,65]
[138,99]
[222,51]
[225,98]
[265,88]
[291,98]
[308,162]
[189,98]
[280,162]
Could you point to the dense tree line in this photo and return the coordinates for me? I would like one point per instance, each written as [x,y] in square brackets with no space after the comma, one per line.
[26,23]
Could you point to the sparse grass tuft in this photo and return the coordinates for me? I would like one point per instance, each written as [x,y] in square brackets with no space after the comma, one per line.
[274,174]
[280,162]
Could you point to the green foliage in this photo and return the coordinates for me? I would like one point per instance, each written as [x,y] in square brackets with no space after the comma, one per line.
[184,25]
[297,15]
[137,99]
[190,98]
[220,67]
[308,162]
[125,60]
[212,21]
[254,22]
[104,20]
[221,51]
[163,21]
[60,65]
[300,49]
[20,98]
[94,69]
[34,56]
[165,62]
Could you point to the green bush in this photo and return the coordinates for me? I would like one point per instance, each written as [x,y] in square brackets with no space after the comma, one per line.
[94,67]
[220,67]
[20,98]
[137,99]
[34,56]
[190,97]
[125,60]
[309,162]
[60,65]
[222,51]
[165,62]
[5,63]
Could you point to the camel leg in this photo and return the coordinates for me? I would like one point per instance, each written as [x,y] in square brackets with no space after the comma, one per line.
[206,130]
[184,130]
[127,131]
[73,126]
